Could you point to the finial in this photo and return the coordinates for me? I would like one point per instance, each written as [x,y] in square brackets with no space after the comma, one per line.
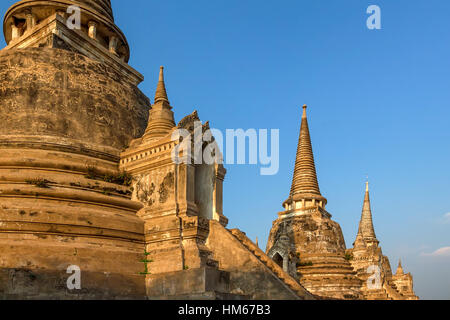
[161,94]
[161,73]
[304,110]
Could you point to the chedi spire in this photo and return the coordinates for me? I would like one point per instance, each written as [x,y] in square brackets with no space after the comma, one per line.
[161,120]
[359,242]
[400,268]
[161,93]
[305,177]
[304,182]
[366,228]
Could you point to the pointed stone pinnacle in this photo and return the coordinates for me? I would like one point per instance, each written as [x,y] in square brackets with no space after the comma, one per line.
[400,268]
[366,228]
[305,107]
[161,93]
[161,120]
[305,181]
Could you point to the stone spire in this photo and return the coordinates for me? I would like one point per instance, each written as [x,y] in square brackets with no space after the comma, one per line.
[161,120]
[400,268]
[366,228]
[161,93]
[359,242]
[304,183]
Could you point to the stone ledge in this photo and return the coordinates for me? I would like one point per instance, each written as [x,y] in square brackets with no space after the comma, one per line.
[187,283]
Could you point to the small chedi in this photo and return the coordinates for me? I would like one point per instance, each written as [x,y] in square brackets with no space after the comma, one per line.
[373,267]
[87,179]
[311,247]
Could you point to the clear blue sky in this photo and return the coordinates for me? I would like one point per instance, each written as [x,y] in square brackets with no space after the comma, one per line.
[379,106]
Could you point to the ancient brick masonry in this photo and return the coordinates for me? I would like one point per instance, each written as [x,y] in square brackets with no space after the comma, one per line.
[72,120]
[310,246]
[193,254]
[304,239]
[87,178]
[68,106]
[367,258]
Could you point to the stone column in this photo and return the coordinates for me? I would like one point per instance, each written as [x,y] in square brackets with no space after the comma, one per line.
[218,195]
[113,42]
[31,20]
[15,32]
[92,30]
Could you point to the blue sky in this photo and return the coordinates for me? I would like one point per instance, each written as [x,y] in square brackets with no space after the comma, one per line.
[379,104]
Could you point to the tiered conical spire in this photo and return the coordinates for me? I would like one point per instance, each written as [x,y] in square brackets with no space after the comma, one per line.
[161,120]
[359,242]
[161,93]
[366,228]
[304,182]
[400,268]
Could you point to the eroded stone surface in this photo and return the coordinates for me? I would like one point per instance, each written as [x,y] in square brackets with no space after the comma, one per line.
[87,178]
[307,244]
[53,92]
[65,118]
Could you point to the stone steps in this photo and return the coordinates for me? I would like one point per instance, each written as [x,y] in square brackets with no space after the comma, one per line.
[393,285]
[392,291]
[380,294]
[388,292]
[269,263]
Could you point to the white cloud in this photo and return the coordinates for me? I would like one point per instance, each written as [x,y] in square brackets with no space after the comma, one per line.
[445,219]
[442,252]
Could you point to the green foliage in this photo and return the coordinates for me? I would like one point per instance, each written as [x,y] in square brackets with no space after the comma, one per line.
[146,261]
[348,257]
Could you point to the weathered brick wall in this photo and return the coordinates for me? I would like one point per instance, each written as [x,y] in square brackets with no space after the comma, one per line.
[248,275]
[64,120]
[59,93]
